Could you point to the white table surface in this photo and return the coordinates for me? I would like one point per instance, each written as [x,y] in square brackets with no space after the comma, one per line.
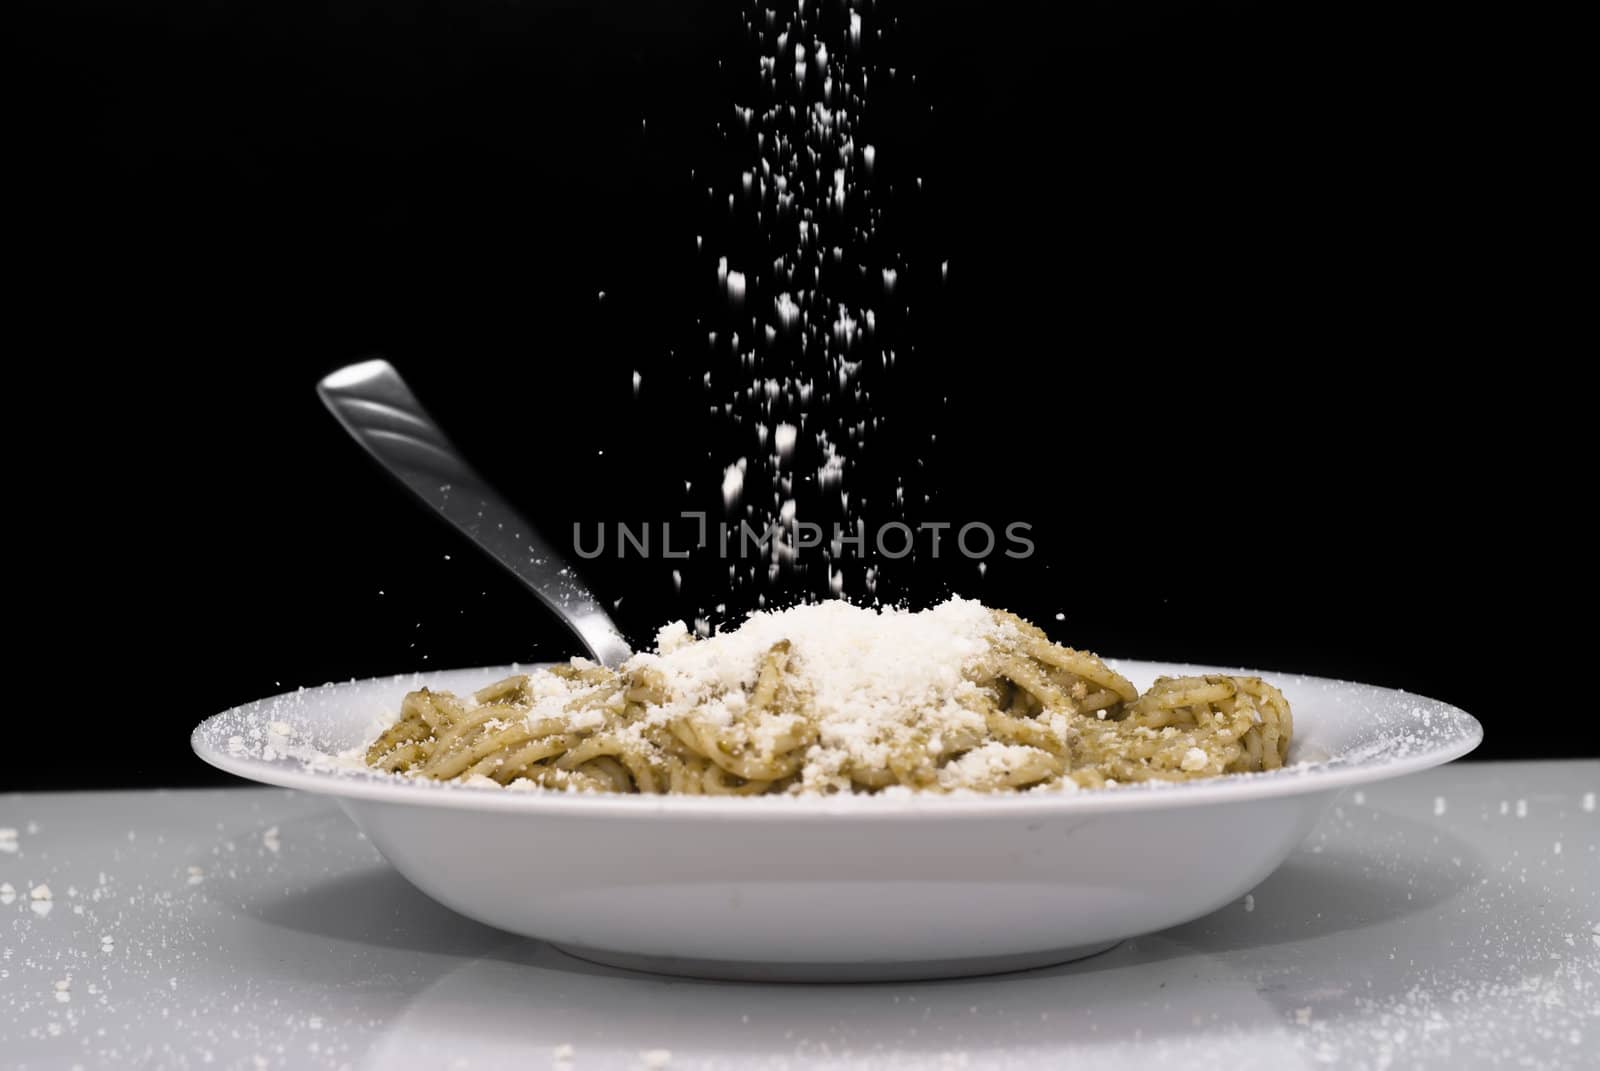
[1450,919]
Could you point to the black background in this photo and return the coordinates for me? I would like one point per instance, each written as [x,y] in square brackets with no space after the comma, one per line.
[1246,316]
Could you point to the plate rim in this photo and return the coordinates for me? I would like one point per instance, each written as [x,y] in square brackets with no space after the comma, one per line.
[379,787]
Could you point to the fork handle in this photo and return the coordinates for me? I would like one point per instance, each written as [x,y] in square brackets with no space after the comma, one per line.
[372,402]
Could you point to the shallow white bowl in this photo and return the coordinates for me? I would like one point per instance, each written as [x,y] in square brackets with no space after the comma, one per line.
[853,888]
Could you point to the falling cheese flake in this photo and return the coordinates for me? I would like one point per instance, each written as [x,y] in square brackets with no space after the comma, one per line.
[783,437]
[733,483]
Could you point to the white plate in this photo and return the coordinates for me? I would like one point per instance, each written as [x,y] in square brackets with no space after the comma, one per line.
[847,888]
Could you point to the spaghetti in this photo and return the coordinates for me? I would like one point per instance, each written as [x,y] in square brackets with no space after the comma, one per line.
[834,698]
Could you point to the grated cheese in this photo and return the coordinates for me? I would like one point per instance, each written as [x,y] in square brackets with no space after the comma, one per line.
[872,675]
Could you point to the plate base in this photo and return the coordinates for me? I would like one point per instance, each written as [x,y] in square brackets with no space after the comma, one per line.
[869,971]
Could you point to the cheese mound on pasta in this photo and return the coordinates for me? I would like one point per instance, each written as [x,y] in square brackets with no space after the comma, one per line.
[834,698]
